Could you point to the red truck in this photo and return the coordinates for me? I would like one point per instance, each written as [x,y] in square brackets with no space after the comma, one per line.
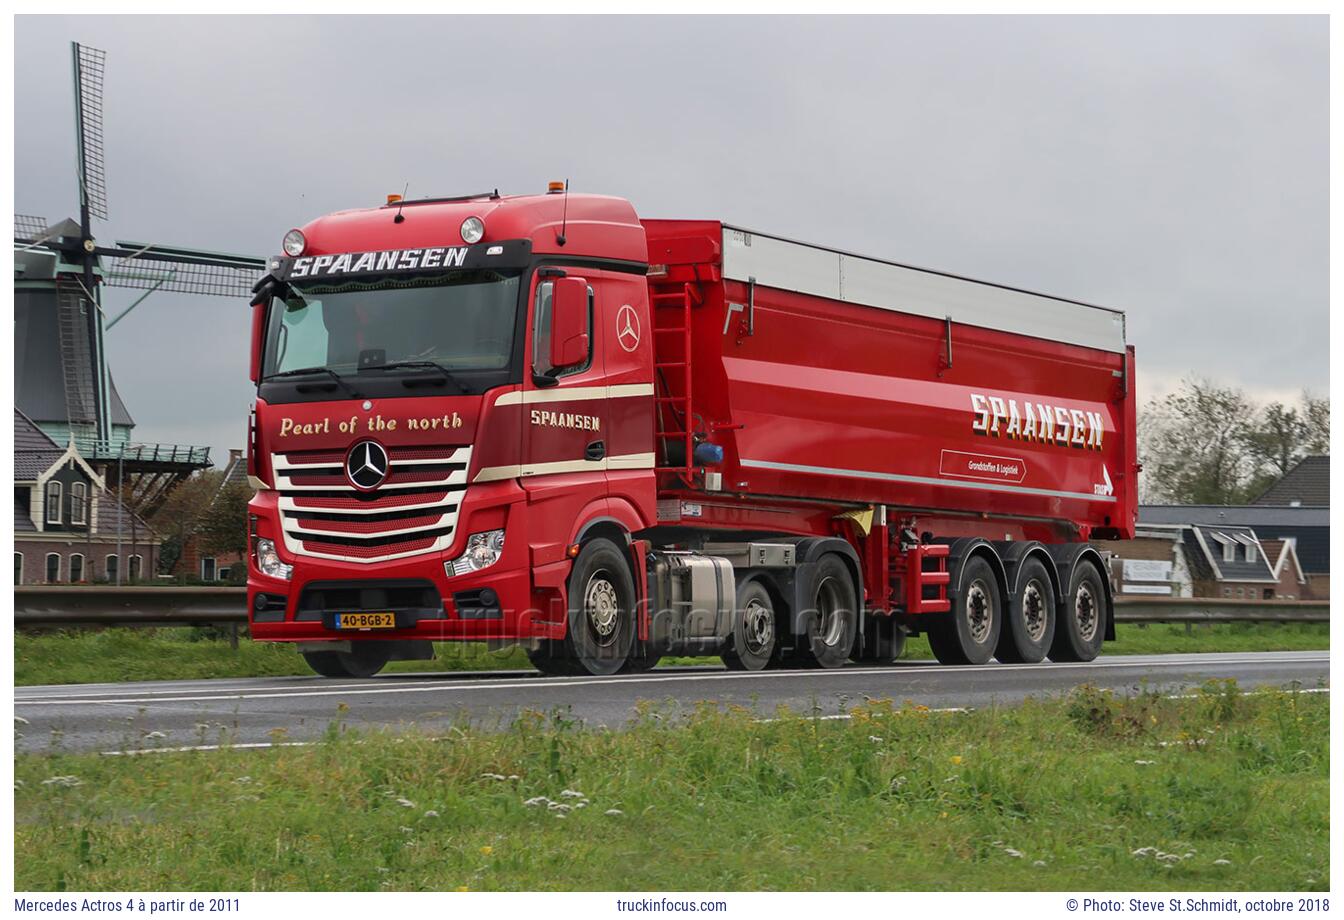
[541,420]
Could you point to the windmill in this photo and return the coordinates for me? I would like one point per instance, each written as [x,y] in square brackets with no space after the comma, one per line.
[60,269]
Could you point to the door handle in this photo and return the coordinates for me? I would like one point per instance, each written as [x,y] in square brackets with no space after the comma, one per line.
[595,451]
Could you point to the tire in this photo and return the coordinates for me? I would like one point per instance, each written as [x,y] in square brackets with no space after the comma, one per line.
[883,641]
[1082,622]
[641,660]
[1030,628]
[367,659]
[755,640]
[969,632]
[551,658]
[832,621]
[601,635]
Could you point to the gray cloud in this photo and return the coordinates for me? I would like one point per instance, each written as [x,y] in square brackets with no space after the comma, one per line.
[1175,167]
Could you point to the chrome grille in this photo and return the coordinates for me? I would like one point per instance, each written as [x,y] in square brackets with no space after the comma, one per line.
[414,511]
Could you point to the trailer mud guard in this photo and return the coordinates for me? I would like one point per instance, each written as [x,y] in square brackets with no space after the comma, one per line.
[961,549]
[1013,554]
[1066,556]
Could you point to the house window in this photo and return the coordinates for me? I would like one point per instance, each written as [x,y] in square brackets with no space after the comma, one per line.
[53,568]
[1250,552]
[224,573]
[1227,592]
[18,568]
[1229,551]
[76,567]
[1269,594]
[133,566]
[53,503]
[111,567]
[79,493]
[207,568]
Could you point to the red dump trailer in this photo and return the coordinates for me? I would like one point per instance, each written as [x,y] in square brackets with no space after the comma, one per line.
[540,420]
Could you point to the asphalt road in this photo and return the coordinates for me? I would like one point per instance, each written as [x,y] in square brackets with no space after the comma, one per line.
[177,714]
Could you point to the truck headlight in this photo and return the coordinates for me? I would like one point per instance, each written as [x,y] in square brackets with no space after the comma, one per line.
[483,549]
[268,560]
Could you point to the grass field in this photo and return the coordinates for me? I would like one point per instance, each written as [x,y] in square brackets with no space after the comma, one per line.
[183,654]
[1214,792]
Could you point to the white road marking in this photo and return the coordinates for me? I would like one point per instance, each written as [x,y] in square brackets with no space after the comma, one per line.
[210,695]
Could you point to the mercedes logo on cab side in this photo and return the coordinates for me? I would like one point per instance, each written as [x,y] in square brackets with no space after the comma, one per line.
[366,465]
[627,327]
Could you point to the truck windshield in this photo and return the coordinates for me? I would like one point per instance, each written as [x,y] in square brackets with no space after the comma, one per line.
[458,320]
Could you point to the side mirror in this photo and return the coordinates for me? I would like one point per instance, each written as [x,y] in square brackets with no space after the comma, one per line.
[569,322]
[258,327]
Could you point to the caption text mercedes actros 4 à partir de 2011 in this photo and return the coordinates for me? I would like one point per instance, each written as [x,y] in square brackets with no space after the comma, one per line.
[540,420]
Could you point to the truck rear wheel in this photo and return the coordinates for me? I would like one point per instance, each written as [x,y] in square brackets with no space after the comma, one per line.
[1030,629]
[755,630]
[365,660]
[833,620]
[1082,624]
[969,632]
[601,609]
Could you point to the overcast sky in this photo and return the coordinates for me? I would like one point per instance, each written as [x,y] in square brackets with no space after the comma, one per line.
[1173,167]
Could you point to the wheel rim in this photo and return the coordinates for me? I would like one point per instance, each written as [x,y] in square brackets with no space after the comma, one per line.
[832,626]
[1034,610]
[758,627]
[1085,612]
[601,607]
[979,611]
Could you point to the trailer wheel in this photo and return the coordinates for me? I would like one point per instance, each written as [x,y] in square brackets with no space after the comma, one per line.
[755,630]
[883,641]
[1082,625]
[969,632]
[833,620]
[1030,629]
[367,659]
[601,609]
[641,660]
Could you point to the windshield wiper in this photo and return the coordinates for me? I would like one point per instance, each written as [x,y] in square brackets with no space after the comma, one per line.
[309,371]
[434,365]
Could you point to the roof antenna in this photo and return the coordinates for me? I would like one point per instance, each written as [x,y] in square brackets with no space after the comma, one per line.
[564,217]
[401,204]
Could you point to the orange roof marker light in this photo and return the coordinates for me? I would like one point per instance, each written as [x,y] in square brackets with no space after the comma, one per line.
[393,198]
[554,188]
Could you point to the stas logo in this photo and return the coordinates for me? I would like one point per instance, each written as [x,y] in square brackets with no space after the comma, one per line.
[388,260]
[1036,422]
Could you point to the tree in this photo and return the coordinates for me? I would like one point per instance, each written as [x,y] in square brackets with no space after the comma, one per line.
[1316,423]
[181,512]
[1195,451]
[1211,445]
[224,525]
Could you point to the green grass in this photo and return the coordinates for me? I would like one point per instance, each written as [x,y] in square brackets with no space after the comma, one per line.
[1218,792]
[113,655]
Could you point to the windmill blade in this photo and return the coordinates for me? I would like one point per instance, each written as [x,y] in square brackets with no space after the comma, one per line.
[186,271]
[89,128]
[28,228]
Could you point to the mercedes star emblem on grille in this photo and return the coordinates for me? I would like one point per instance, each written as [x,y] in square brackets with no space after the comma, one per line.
[366,465]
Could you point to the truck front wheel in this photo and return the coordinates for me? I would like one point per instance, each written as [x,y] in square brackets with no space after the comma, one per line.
[365,660]
[601,609]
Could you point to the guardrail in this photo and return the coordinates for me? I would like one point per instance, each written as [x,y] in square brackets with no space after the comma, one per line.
[61,605]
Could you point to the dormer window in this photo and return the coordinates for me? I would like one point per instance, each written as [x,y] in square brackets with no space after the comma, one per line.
[53,515]
[1229,551]
[79,494]
[1250,552]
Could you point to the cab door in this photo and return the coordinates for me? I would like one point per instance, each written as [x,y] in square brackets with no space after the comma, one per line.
[565,413]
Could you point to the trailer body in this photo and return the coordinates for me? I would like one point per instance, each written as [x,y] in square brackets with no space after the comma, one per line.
[745,411]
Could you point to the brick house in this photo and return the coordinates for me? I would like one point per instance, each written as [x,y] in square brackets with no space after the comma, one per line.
[68,528]
[1152,563]
[196,562]
[1282,558]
